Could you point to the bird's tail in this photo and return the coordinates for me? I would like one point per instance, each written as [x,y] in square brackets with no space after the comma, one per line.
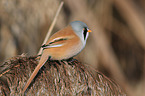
[42,61]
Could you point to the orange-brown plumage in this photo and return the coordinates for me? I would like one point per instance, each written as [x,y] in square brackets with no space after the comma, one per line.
[59,53]
[64,44]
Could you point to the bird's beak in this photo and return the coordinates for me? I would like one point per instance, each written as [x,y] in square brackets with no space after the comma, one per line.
[89,30]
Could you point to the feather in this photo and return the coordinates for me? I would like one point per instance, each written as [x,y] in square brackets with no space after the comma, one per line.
[57,42]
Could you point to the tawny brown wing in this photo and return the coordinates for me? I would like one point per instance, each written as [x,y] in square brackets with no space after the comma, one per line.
[57,42]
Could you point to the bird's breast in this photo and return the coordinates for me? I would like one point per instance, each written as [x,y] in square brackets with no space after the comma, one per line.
[69,49]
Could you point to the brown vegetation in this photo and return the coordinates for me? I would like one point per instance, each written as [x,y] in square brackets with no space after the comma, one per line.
[116,46]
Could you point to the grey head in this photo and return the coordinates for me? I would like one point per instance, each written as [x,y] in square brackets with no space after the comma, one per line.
[81,30]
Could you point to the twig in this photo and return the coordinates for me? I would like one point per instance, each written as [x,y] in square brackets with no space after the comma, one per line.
[7,71]
[4,73]
[51,26]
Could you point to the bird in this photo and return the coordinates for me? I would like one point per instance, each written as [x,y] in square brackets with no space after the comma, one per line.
[62,45]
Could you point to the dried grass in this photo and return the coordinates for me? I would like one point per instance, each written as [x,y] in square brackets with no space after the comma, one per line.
[116,46]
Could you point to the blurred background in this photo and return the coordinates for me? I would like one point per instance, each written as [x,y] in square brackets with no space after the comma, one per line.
[116,47]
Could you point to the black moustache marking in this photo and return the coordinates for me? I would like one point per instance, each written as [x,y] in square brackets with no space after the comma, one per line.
[85,33]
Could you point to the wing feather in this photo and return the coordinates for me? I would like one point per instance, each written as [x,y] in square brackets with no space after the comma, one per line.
[60,38]
[57,42]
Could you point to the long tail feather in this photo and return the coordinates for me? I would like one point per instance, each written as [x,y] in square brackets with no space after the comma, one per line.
[41,63]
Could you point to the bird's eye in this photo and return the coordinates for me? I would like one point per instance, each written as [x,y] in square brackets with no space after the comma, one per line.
[85,32]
